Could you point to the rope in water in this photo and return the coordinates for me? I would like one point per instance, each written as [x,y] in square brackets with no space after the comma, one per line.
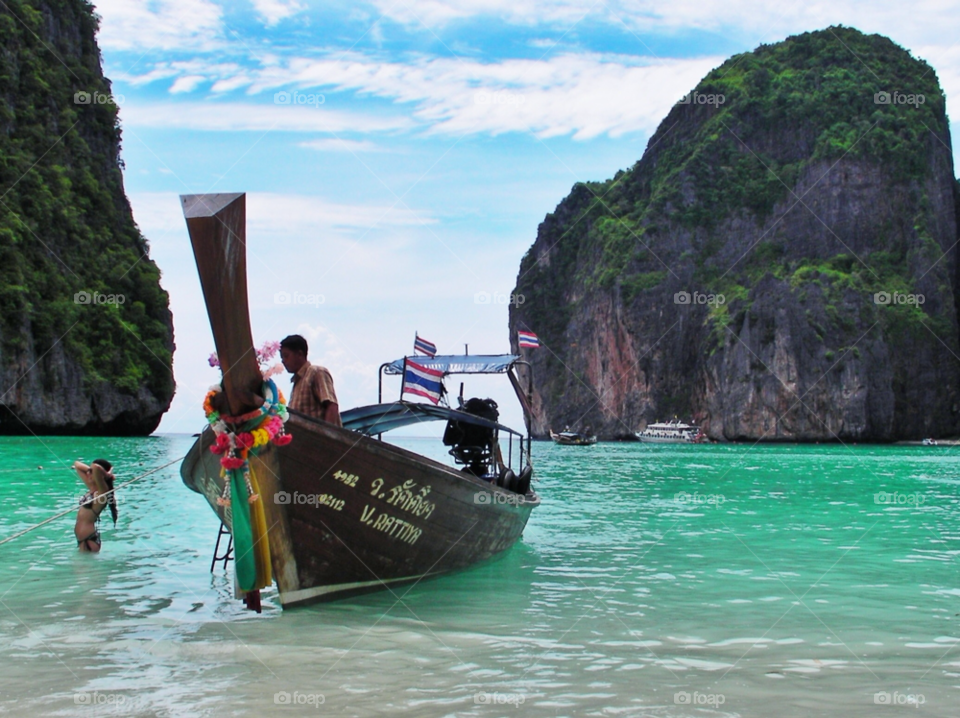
[74,507]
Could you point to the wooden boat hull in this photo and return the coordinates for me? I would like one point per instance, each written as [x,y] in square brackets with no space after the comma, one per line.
[351,514]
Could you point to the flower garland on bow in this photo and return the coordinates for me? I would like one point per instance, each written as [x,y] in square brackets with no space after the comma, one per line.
[239,437]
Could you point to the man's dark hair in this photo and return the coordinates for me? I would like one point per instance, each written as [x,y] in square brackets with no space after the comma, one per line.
[295,343]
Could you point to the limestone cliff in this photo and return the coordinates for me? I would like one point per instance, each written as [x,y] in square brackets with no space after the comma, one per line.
[779,265]
[86,337]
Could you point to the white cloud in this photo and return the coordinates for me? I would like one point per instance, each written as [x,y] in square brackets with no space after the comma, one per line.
[336,144]
[929,27]
[145,25]
[336,353]
[926,20]
[229,84]
[584,95]
[273,11]
[946,63]
[288,215]
[237,116]
[162,71]
[186,83]
[439,12]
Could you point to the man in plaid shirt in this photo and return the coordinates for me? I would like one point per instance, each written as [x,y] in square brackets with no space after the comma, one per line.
[313,393]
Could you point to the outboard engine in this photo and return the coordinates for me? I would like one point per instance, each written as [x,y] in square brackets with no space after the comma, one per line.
[473,445]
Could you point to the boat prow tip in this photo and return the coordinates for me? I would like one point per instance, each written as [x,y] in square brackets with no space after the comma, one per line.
[207,205]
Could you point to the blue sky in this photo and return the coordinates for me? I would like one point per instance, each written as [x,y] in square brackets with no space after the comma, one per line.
[421,145]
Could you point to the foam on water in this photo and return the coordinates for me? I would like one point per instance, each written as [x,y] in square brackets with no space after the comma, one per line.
[625,597]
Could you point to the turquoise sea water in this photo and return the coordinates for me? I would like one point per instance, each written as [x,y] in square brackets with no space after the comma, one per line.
[777,585]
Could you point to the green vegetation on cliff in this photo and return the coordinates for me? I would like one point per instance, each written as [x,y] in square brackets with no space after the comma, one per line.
[65,224]
[810,100]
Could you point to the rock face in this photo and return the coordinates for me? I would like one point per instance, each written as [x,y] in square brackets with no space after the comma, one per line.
[780,265]
[86,336]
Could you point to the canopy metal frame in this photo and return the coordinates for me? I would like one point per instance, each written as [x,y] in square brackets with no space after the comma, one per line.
[460,364]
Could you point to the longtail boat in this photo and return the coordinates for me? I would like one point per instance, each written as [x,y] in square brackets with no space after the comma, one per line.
[573,438]
[340,510]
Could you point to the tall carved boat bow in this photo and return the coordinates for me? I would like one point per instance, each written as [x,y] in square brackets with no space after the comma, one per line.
[343,511]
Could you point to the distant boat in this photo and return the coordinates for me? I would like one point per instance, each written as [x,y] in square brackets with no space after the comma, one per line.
[929,442]
[672,432]
[573,438]
[347,513]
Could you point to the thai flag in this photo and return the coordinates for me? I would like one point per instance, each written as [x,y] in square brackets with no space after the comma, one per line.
[422,381]
[423,346]
[528,339]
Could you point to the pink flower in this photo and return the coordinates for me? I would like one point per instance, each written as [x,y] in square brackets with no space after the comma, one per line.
[267,352]
[282,439]
[245,440]
[214,361]
[273,424]
[272,371]
[231,462]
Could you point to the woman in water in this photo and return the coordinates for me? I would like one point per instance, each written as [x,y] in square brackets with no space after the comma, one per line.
[99,481]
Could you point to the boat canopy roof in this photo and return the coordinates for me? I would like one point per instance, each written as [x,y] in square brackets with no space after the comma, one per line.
[381,418]
[459,364]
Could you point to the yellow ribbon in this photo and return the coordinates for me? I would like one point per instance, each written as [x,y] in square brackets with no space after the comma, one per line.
[261,541]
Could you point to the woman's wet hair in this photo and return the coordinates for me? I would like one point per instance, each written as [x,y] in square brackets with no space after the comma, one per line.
[103,464]
[112,498]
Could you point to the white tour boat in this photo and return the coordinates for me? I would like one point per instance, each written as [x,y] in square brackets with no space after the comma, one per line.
[671,432]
